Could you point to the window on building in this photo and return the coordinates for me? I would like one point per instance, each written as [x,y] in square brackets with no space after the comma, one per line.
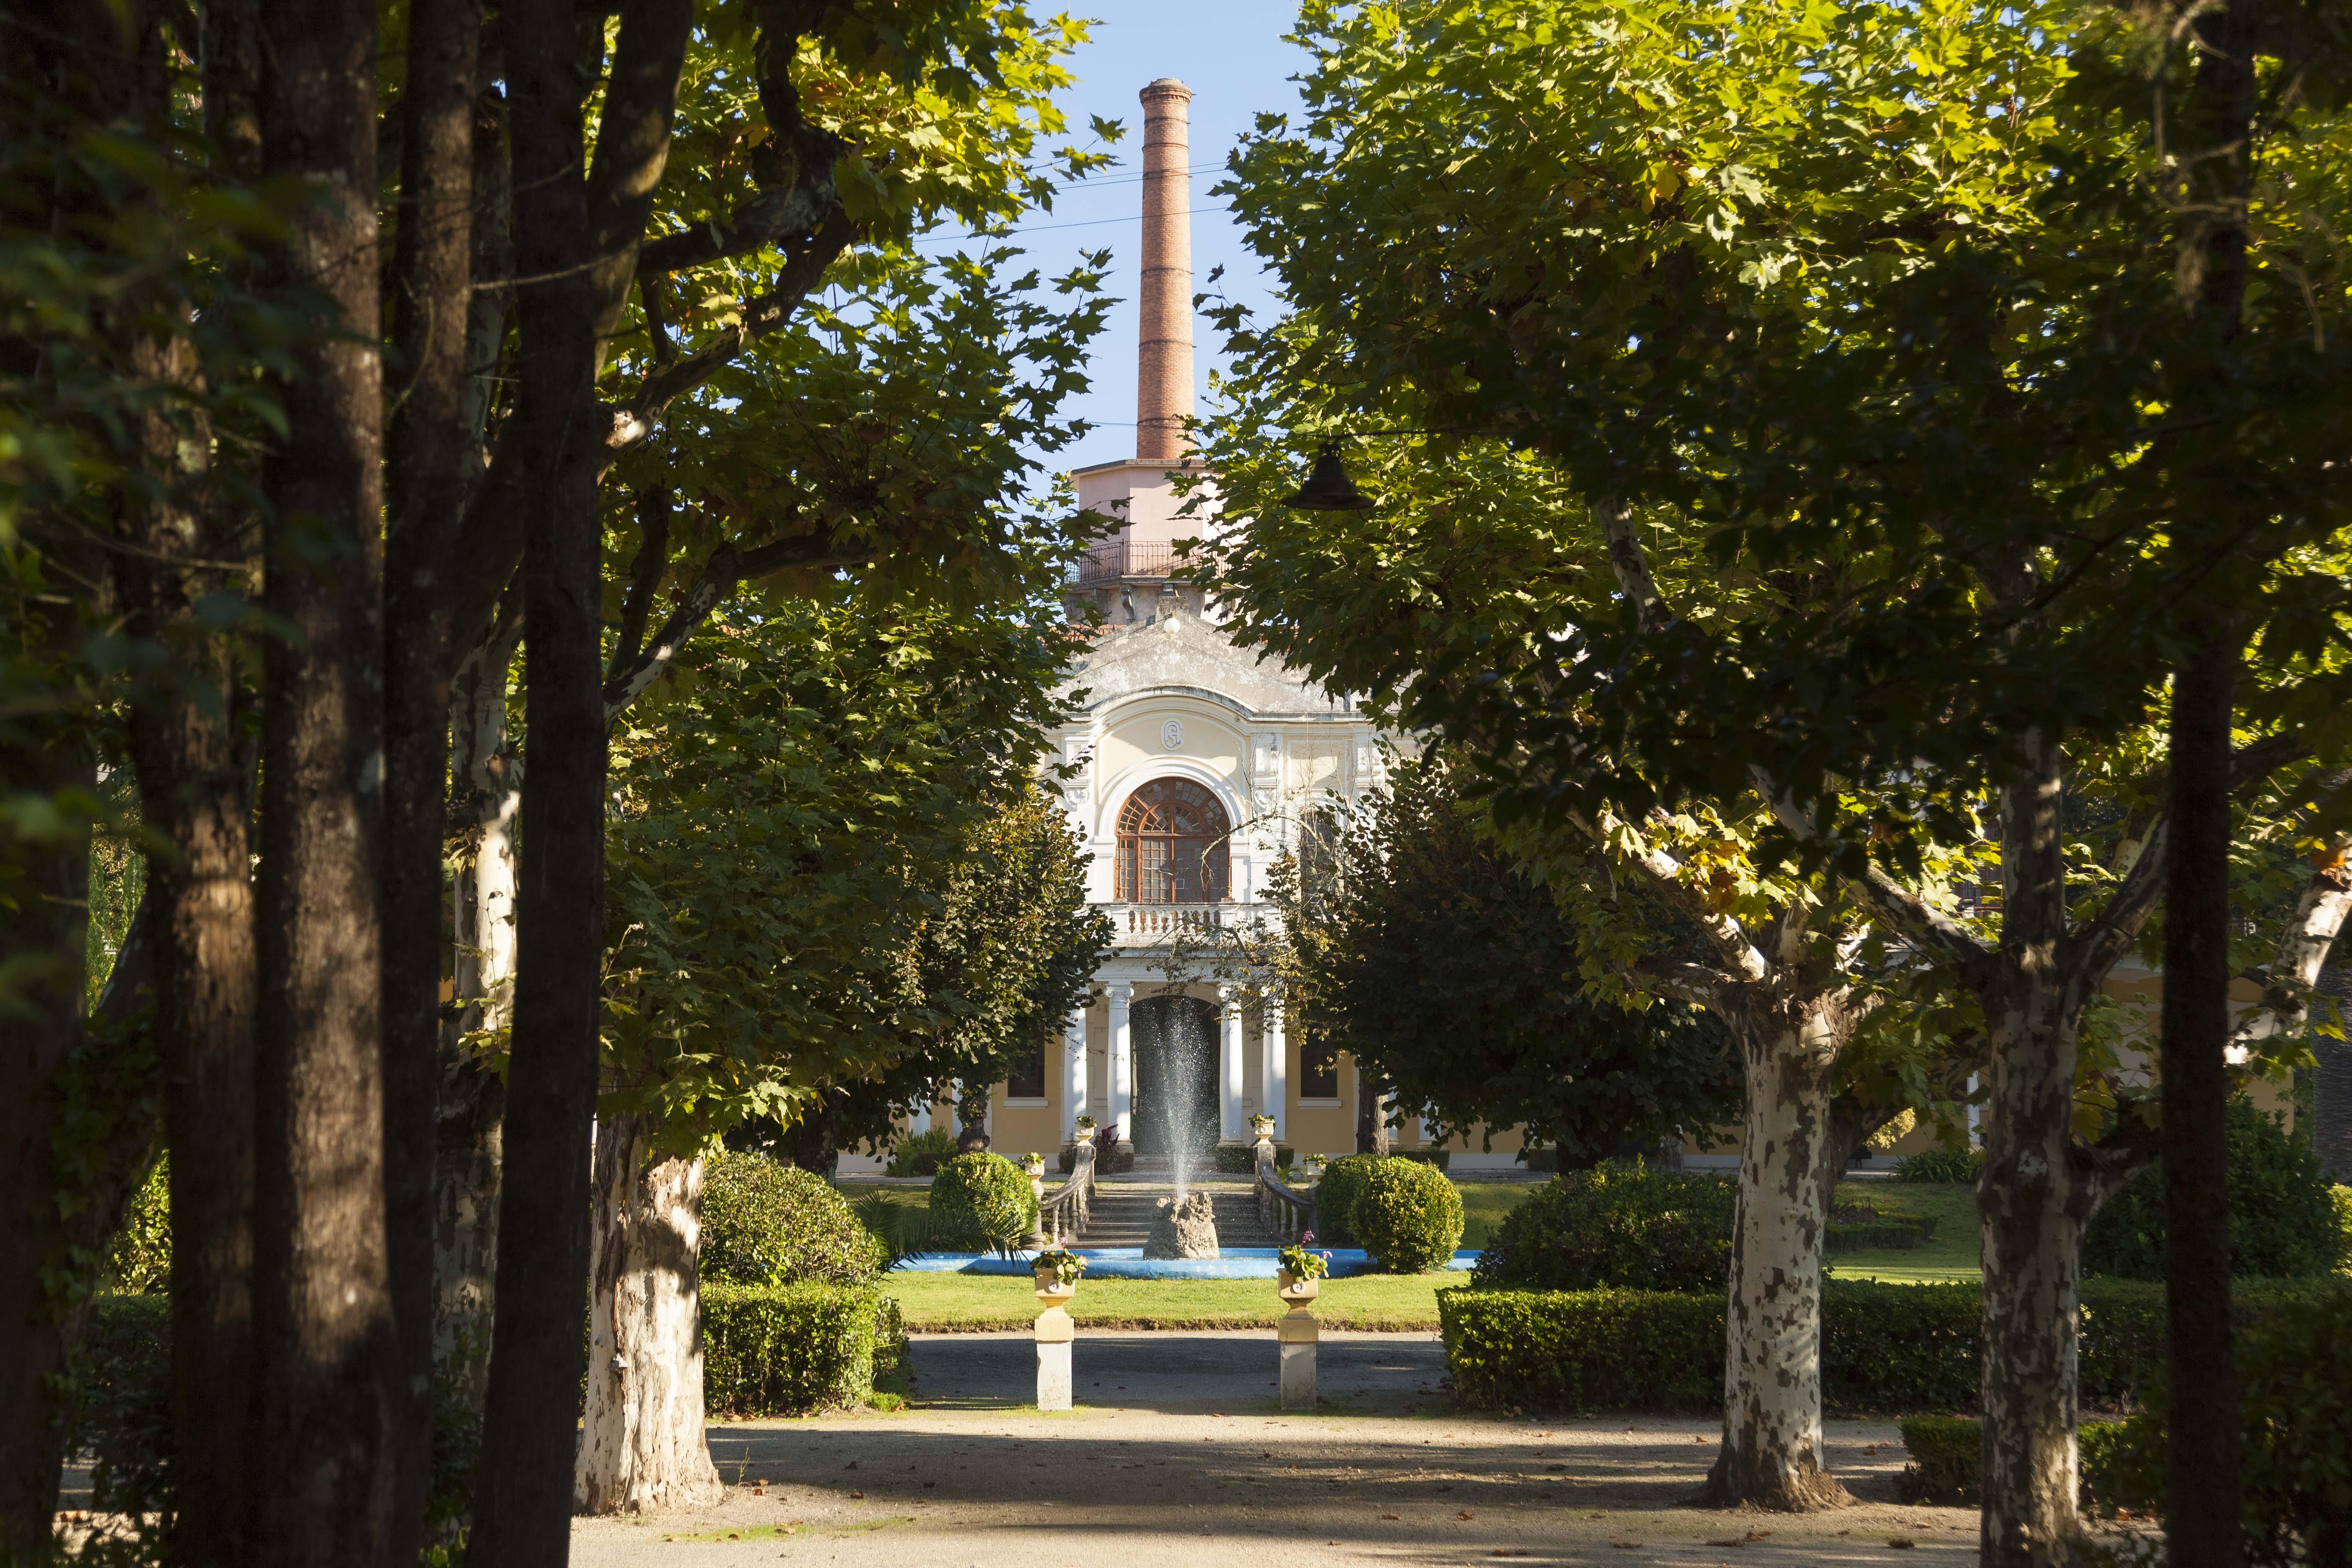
[1027,1078]
[1319,1064]
[1173,845]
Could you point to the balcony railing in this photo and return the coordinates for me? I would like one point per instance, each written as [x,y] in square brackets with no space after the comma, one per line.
[1116,558]
[1157,925]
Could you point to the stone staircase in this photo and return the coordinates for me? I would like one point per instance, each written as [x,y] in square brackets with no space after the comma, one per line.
[1122,1210]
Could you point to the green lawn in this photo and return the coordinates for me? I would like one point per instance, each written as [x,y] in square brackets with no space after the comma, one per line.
[938,1302]
[1484,1205]
[1951,1255]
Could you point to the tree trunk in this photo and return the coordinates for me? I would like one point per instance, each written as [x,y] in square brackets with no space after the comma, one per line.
[1371,1116]
[2201,1478]
[44,934]
[2331,1079]
[433,458]
[642,1447]
[326,1407]
[522,1502]
[1771,1455]
[2033,1205]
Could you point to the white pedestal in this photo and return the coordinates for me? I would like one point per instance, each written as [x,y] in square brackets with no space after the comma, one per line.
[1298,1334]
[1054,1335]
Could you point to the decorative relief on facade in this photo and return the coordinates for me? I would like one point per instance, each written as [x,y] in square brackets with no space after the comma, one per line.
[1171,734]
[1266,756]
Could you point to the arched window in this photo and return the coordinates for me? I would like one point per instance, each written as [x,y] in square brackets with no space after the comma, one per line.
[1173,845]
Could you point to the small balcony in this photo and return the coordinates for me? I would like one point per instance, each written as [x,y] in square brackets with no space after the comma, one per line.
[1114,560]
[1160,925]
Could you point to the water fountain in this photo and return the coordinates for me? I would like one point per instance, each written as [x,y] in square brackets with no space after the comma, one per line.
[1185,1225]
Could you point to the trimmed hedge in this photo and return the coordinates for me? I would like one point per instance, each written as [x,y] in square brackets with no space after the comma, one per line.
[788,1350]
[1336,1195]
[1947,1460]
[1886,1347]
[2295,1379]
[1941,1165]
[2283,1223]
[978,1201]
[1240,1159]
[1409,1215]
[1624,1226]
[766,1222]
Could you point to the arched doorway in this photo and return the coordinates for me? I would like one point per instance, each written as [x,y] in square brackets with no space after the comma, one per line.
[1174,845]
[1175,1043]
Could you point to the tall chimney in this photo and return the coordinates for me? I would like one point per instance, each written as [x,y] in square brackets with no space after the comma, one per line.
[1164,395]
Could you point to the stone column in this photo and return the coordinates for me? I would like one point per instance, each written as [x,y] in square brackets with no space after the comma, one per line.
[1073,1072]
[1055,1331]
[1122,1063]
[1163,398]
[1229,1057]
[1298,1333]
[1273,1046]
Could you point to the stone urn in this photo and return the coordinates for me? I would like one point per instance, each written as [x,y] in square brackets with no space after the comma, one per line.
[1262,1128]
[1083,1134]
[1033,1166]
[1050,1290]
[1295,1291]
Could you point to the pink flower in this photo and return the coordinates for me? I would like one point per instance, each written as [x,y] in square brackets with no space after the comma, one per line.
[1307,1240]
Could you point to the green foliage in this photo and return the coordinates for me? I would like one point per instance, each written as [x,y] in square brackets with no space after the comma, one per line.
[1408,1215]
[1885,1347]
[1615,1225]
[140,1262]
[1947,1460]
[2341,1196]
[2283,1220]
[1335,1198]
[1944,1165]
[764,1223]
[1442,1158]
[1455,976]
[797,1349]
[1240,1160]
[922,1154]
[981,1201]
[2294,1377]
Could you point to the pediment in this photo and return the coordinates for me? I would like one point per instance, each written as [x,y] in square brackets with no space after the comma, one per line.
[1189,655]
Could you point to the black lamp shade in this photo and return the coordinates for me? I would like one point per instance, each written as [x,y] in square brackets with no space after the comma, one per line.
[1328,488]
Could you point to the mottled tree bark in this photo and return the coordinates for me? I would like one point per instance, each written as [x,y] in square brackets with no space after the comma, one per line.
[641,1445]
[522,1502]
[1772,1455]
[324,1418]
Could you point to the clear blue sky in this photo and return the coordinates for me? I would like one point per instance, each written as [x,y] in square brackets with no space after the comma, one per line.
[1231,54]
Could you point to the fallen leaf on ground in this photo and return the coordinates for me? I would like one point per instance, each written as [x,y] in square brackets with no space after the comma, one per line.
[1626,1545]
[1464,1514]
[1900,1543]
[857,1494]
[1392,1516]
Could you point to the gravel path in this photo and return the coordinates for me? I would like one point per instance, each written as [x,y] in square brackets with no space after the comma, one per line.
[1177,1455]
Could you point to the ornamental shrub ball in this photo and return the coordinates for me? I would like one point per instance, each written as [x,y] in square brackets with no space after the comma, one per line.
[2283,1223]
[1408,1218]
[1336,1195]
[767,1223]
[1615,1225]
[978,1201]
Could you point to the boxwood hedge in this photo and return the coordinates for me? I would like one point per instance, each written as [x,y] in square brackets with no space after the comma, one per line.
[1409,1215]
[787,1350]
[1886,1347]
[980,1200]
[767,1223]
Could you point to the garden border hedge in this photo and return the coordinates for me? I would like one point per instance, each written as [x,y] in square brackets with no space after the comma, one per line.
[1886,1348]
[787,1350]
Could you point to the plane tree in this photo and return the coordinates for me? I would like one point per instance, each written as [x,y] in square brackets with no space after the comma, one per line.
[1773,497]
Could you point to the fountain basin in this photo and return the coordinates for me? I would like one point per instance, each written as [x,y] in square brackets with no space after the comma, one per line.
[1129,1263]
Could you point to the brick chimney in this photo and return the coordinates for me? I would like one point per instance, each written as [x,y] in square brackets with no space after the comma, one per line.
[1163,395]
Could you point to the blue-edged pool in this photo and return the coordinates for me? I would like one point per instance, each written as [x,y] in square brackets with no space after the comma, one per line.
[1129,1263]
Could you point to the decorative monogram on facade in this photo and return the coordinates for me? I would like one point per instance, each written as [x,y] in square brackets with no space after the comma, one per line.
[1171,734]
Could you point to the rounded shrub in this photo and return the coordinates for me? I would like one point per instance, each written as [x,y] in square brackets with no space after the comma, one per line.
[1409,1217]
[1335,1198]
[1624,1226]
[922,1154]
[2283,1223]
[980,1200]
[767,1223]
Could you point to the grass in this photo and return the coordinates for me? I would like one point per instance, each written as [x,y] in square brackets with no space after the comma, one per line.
[937,1303]
[1951,1255]
[1484,1205]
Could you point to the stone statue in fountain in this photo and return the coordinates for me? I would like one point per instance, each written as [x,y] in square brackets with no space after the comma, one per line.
[1183,1227]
